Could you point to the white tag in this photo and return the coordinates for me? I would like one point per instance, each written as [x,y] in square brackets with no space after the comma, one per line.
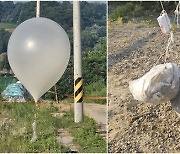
[164,22]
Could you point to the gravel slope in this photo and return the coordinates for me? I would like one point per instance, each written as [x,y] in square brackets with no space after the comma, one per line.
[136,126]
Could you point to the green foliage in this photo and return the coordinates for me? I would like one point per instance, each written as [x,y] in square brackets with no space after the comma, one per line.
[7,25]
[5,10]
[4,64]
[131,10]
[4,82]
[4,37]
[91,36]
[97,88]
[128,10]
[93,13]
[94,63]
[28,10]
[94,73]
[66,83]
[61,12]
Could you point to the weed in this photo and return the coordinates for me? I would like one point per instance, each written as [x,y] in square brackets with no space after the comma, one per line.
[119,21]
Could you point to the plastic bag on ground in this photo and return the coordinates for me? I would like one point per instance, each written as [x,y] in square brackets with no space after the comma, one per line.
[160,84]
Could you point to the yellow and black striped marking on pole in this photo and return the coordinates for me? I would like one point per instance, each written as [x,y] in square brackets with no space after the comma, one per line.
[78,91]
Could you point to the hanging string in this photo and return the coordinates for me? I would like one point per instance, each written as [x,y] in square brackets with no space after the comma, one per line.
[168,49]
[163,11]
[162,5]
[170,39]
[177,13]
[34,136]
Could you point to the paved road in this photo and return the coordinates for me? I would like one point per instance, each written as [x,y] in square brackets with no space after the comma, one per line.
[96,111]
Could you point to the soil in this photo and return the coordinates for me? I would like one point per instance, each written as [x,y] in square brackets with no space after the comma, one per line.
[133,126]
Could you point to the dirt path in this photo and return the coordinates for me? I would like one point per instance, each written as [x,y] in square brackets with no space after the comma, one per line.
[135,126]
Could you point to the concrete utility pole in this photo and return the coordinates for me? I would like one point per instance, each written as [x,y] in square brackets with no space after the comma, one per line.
[38,8]
[78,91]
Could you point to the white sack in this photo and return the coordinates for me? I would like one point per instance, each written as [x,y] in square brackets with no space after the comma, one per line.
[161,83]
[175,102]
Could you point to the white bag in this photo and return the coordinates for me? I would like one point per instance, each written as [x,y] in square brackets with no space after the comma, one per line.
[164,22]
[175,102]
[161,83]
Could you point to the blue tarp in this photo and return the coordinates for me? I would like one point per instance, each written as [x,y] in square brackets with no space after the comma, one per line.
[15,93]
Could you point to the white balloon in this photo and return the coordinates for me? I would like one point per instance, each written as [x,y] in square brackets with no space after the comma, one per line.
[38,53]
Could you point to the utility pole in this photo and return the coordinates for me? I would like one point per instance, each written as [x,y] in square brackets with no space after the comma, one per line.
[37,8]
[78,87]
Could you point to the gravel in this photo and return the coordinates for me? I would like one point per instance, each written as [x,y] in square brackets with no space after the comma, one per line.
[137,126]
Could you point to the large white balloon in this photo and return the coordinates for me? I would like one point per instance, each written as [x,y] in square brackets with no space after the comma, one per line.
[38,53]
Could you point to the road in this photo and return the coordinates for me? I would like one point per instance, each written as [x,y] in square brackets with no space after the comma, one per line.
[96,111]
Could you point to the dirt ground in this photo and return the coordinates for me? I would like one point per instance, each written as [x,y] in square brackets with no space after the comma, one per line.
[135,126]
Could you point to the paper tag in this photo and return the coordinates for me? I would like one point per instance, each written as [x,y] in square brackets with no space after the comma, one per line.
[164,23]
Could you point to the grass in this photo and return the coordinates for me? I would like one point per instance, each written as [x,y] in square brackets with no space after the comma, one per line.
[7,26]
[96,89]
[16,129]
[21,116]
[129,12]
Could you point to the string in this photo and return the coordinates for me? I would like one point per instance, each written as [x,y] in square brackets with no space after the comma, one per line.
[177,13]
[34,136]
[34,126]
[171,36]
[162,5]
[168,49]
[170,41]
